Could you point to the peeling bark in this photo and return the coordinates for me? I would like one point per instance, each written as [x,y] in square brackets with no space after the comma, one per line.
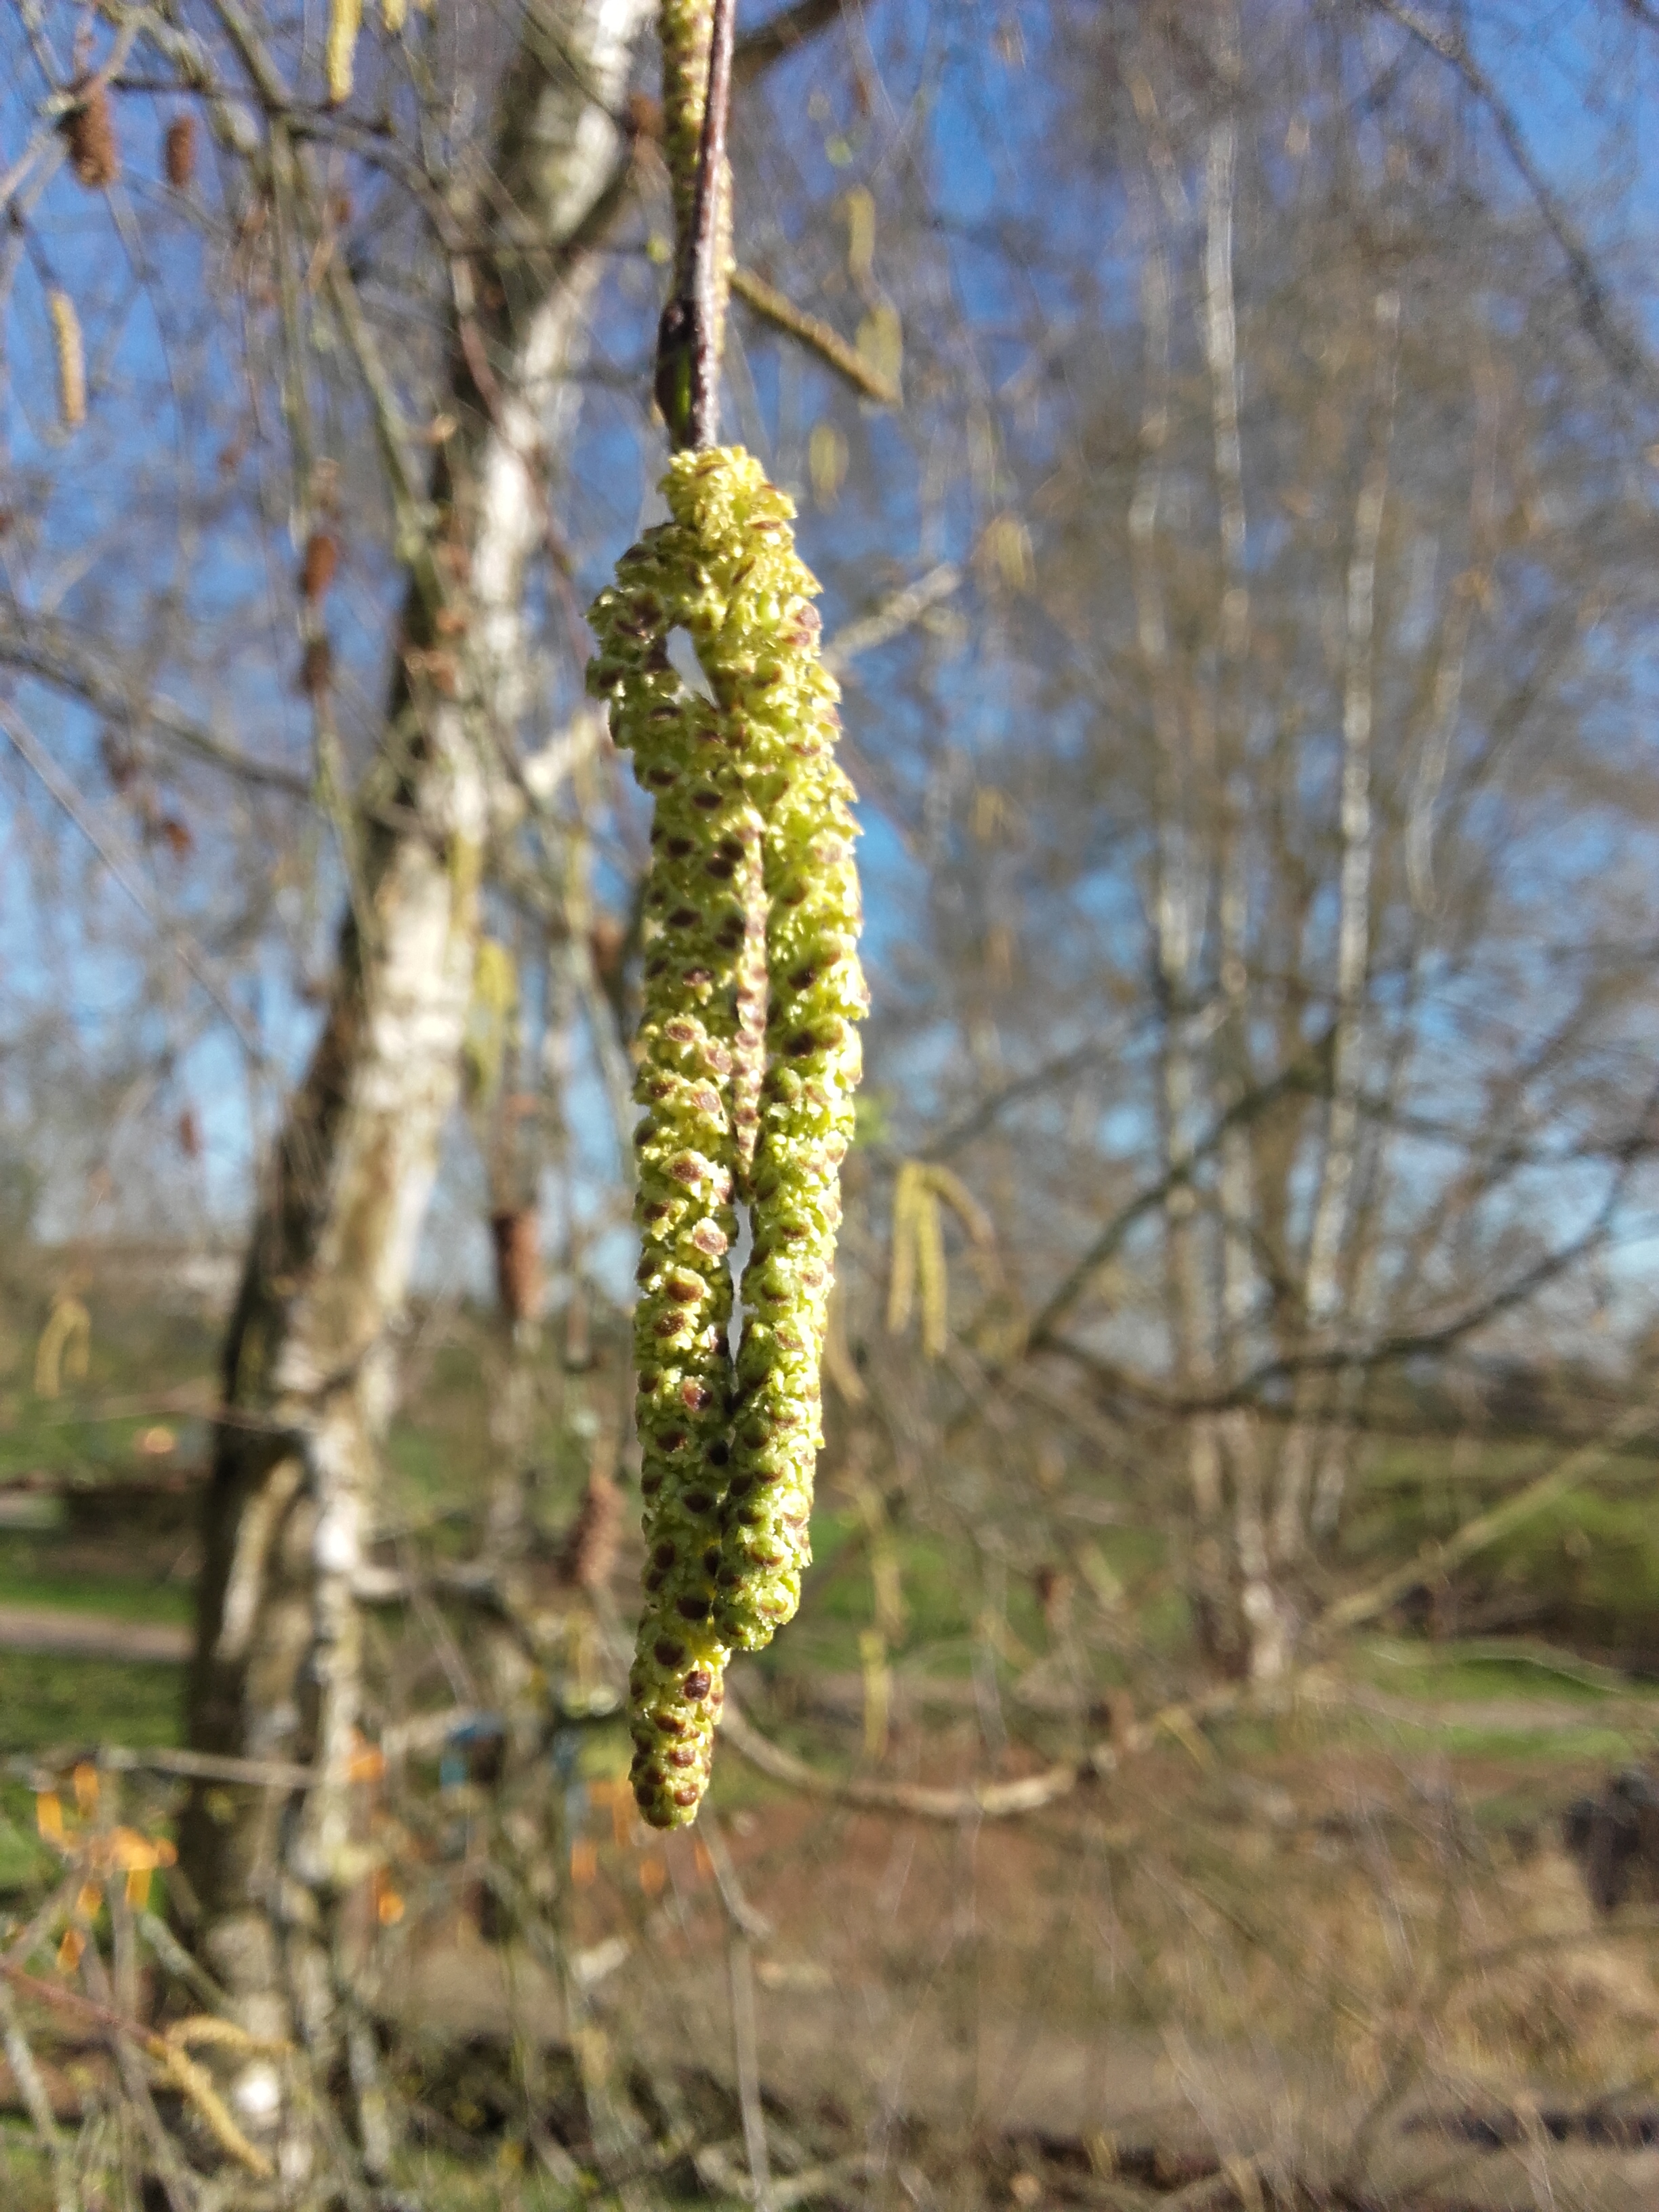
[308,1372]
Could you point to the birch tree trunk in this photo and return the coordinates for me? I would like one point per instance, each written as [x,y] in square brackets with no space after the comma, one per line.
[1260,1635]
[308,1376]
[1172,898]
[1331,1207]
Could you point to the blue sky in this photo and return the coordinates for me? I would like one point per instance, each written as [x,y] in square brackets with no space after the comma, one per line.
[981,125]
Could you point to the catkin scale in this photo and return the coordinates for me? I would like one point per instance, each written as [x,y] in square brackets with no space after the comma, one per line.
[753,899]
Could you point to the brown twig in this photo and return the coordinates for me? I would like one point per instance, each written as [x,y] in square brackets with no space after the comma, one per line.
[811,331]
[987,1800]
[166,2051]
[1435,1560]
[688,335]
[20,2056]
[788,30]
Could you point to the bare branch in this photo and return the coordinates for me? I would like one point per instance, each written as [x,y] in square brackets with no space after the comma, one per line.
[892,617]
[774,41]
[1299,1075]
[811,331]
[57,653]
[121,868]
[26,2075]
[1620,346]
[982,1801]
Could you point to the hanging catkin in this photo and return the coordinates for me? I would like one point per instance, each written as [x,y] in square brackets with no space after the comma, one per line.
[816,994]
[179,152]
[72,360]
[345,20]
[89,128]
[752,817]
[699,966]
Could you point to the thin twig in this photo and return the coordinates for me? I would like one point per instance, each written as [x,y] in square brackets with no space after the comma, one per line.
[32,2090]
[893,616]
[57,653]
[1434,1561]
[787,31]
[1620,346]
[687,384]
[813,332]
[742,1923]
[171,1952]
[742,1915]
[182,948]
[740,1982]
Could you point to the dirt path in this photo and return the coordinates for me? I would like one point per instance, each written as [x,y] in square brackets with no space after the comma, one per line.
[65,1634]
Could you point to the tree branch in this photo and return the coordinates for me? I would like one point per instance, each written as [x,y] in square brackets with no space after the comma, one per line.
[986,1800]
[58,653]
[892,617]
[183,948]
[815,334]
[774,41]
[687,384]
[1623,351]
[1434,1561]
[1297,1076]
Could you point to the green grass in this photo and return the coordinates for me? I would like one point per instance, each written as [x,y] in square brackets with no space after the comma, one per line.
[47,1701]
[1481,1669]
[24,1861]
[1585,1568]
[29,1576]
[53,1438]
[25,2177]
[1619,1722]
[1512,1745]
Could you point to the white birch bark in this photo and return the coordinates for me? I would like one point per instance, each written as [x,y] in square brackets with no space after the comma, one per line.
[1465,592]
[1433,751]
[1173,931]
[1262,1630]
[1322,1279]
[308,1372]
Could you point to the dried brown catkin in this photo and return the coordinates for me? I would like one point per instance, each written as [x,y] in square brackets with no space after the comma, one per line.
[94,155]
[179,152]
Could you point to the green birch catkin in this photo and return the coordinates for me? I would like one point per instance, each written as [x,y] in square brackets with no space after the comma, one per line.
[705,849]
[816,994]
[753,832]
